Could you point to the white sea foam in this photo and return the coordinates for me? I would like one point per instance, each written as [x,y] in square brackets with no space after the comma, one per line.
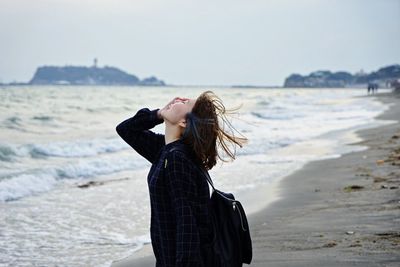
[26,185]
[69,149]
[16,185]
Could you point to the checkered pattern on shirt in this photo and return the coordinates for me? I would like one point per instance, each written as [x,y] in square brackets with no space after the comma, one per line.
[179,196]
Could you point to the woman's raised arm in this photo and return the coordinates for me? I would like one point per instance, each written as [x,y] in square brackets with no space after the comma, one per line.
[135,131]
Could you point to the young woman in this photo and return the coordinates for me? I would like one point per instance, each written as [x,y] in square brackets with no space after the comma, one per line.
[179,193]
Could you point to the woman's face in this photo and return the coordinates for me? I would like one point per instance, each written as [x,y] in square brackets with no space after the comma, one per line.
[178,109]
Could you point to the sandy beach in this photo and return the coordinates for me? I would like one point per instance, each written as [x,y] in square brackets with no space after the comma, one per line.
[336,212]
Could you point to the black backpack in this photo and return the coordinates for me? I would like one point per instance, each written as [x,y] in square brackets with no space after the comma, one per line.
[231,245]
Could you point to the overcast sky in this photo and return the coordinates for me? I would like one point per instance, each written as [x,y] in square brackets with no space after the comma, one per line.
[200,42]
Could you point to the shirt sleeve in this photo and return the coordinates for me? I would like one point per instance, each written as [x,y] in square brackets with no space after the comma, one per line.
[135,131]
[181,188]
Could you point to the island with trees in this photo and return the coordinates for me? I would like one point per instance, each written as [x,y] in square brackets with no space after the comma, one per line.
[384,78]
[87,75]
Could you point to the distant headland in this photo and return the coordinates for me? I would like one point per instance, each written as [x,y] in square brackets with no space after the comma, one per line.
[82,75]
[384,78]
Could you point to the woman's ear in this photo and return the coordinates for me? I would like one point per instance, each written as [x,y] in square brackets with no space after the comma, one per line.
[182,123]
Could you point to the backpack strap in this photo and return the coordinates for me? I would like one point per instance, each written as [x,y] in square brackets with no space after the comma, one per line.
[205,172]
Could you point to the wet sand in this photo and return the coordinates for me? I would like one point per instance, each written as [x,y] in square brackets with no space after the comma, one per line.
[335,212]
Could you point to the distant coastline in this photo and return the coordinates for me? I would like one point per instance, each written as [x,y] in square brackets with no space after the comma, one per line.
[386,77]
[383,77]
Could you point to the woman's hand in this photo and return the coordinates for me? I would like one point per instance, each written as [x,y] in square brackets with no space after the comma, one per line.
[159,114]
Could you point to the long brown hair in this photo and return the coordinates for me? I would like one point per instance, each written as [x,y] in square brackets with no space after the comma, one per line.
[203,132]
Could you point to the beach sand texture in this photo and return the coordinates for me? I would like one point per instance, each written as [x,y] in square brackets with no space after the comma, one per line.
[335,212]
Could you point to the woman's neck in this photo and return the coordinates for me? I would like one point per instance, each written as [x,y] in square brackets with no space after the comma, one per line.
[172,133]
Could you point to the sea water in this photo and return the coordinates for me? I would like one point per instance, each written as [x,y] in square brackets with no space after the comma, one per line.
[54,139]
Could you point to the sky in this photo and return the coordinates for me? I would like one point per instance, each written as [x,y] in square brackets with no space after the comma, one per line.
[200,42]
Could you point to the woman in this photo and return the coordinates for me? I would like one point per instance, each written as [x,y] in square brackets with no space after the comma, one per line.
[179,194]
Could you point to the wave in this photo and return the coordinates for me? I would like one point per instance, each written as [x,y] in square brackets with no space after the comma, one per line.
[81,148]
[43,118]
[263,103]
[261,146]
[17,185]
[276,116]
[7,153]
[26,185]
[13,123]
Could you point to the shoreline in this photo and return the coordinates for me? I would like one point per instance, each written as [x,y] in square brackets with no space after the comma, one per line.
[321,220]
[297,228]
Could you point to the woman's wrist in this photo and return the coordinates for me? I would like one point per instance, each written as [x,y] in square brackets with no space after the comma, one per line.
[159,114]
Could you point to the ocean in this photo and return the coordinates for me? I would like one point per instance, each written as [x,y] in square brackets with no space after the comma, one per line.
[56,139]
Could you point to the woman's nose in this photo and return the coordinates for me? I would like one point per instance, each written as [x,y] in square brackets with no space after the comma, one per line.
[178,100]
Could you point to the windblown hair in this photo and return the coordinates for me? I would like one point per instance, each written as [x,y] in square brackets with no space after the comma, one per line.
[204,134]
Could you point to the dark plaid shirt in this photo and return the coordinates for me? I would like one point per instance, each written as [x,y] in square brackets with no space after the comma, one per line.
[179,194]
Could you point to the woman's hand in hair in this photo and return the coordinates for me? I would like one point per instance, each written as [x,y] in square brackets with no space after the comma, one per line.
[159,113]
